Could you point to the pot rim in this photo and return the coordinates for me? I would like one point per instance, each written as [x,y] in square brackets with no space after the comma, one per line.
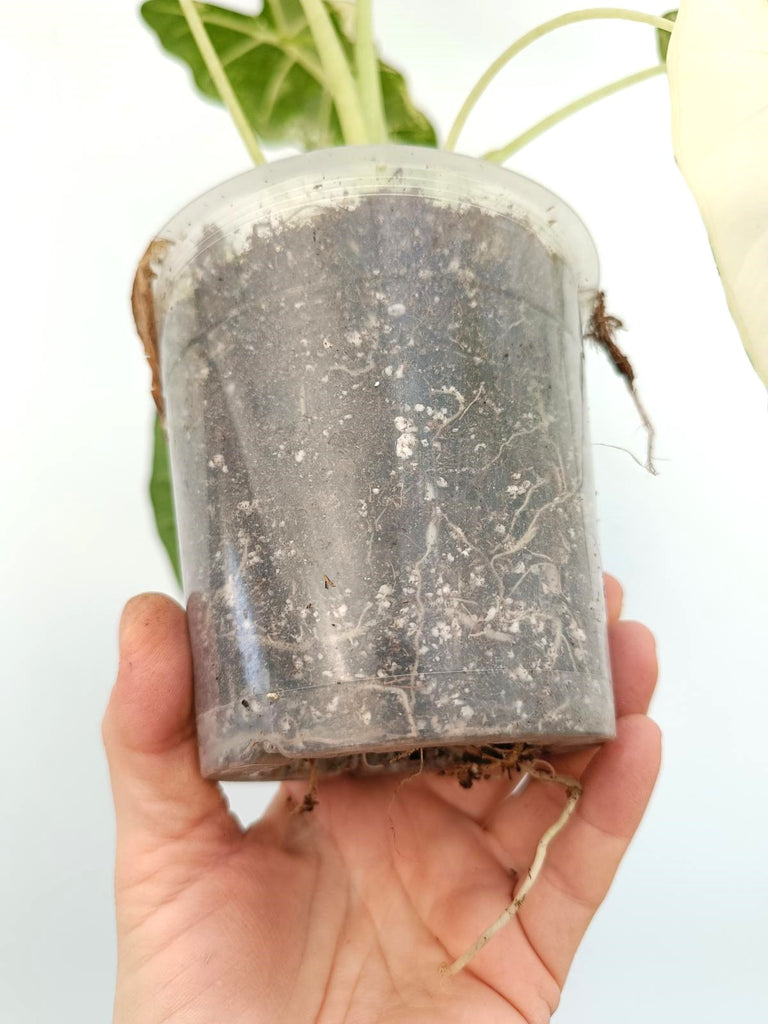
[312,181]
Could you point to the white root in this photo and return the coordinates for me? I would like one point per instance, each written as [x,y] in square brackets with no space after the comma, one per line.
[543,771]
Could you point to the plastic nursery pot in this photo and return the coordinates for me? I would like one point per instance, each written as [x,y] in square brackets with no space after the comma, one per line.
[372,367]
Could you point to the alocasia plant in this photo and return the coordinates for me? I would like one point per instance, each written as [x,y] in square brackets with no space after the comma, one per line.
[306,73]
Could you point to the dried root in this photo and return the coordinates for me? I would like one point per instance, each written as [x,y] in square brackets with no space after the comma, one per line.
[310,801]
[142,305]
[602,330]
[538,770]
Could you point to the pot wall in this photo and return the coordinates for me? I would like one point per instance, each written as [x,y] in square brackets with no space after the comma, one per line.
[372,369]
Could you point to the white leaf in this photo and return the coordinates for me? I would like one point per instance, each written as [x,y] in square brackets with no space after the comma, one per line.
[718,79]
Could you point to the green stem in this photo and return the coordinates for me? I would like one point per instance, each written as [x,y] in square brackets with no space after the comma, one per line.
[500,155]
[219,79]
[338,76]
[589,14]
[367,68]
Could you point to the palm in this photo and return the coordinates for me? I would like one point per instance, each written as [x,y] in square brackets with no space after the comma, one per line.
[346,913]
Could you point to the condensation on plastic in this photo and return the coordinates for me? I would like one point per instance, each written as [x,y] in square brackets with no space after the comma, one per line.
[373,374]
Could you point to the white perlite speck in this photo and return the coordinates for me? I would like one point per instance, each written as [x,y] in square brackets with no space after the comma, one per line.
[405,445]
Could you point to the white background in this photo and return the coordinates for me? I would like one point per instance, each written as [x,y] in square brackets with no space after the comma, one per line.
[103,140]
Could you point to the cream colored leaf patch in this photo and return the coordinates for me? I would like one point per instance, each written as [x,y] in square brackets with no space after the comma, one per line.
[718,79]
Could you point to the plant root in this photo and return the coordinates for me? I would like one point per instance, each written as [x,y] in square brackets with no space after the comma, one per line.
[537,769]
[310,801]
[143,308]
[490,760]
[602,330]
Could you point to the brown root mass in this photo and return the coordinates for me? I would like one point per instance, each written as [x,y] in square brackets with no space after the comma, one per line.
[602,329]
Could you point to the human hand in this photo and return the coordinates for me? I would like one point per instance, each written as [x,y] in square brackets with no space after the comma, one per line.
[345,914]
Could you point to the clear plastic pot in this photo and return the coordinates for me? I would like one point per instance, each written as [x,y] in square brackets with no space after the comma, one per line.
[372,367]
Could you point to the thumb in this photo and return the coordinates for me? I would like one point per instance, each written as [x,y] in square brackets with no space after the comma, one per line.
[149,733]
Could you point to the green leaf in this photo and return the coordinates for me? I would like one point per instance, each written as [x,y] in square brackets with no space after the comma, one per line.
[405,123]
[273,66]
[663,38]
[161,495]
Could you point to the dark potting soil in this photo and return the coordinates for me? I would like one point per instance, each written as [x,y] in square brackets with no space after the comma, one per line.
[385,504]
